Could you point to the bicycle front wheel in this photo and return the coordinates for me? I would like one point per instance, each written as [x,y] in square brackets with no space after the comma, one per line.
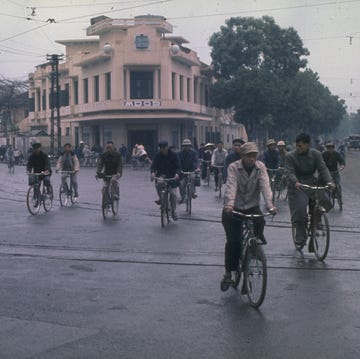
[321,236]
[33,200]
[163,208]
[115,200]
[63,195]
[188,199]
[105,203]
[48,197]
[255,276]
[220,182]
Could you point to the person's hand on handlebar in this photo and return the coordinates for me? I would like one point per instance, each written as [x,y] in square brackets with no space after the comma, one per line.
[152,176]
[228,209]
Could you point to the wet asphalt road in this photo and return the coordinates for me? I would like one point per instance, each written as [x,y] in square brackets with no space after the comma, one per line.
[75,286]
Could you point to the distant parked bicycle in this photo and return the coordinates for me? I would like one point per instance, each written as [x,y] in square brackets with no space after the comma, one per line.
[318,228]
[252,263]
[38,194]
[110,196]
[165,202]
[66,191]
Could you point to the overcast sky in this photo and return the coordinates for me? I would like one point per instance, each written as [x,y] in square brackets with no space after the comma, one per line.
[329,29]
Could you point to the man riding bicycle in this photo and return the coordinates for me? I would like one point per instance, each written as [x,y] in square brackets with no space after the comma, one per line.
[247,178]
[189,163]
[166,164]
[39,162]
[334,161]
[218,159]
[300,167]
[69,162]
[110,161]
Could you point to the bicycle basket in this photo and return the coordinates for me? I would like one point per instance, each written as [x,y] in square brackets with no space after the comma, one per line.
[32,179]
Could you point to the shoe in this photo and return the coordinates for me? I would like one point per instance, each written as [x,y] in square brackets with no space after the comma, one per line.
[182,200]
[261,240]
[194,195]
[300,241]
[216,189]
[116,197]
[158,202]
[243,289]
[174,216]
[226,281]
[76,198]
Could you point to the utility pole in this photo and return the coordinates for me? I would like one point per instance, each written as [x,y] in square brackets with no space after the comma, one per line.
[55,141]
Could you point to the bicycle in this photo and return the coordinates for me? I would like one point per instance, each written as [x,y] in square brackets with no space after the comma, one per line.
[220,178]
[207,174]
[318,229]
[336,193]
[110,195]
[37,195]
[189,184]
[274,180]
[281,185]
[165,203]
[11,165]
[66,192]
[252,263]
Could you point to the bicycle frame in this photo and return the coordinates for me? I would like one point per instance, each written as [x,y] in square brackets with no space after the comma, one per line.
[66,190]
[189,184]
[318,228]
[165,203]
[109,202]
[207,178]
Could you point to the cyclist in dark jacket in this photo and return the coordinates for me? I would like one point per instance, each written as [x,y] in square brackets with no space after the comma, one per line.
[39,162]
[189,163]
[166,164]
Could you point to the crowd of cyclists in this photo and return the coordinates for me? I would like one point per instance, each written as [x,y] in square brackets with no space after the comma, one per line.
[245,172]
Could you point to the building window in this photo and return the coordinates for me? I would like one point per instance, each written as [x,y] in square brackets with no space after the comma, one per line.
[96,88]
[43,100]
[76,92]
[181,88]
[195,90]
[108,86]
[86,90]
[141,41]
[173,79]
[38,102]
[67,131]
[141,84]
[107,133]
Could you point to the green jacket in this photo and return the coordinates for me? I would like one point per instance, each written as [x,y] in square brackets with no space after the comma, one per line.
[304,167]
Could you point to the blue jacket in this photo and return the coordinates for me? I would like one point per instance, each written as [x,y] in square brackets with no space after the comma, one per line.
[188,160]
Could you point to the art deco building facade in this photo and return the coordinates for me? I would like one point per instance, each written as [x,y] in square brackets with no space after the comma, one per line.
[132,83]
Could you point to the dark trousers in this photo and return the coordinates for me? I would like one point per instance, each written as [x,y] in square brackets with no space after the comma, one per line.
[233,226]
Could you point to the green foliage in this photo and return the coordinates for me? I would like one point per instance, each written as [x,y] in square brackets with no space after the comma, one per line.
[259,69]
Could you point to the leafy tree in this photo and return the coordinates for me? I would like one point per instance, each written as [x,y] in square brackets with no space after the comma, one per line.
[9,93]
[259,68]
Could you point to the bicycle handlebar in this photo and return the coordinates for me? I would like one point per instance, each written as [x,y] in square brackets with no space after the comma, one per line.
[251,216]
[217,166]
[201,160]
[188,173]
[165,179]
[316,188]
[42,173]
[66,172]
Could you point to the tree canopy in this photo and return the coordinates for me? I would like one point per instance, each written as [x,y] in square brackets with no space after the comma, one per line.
[260,72]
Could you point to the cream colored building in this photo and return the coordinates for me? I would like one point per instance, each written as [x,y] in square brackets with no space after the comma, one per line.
[131,82]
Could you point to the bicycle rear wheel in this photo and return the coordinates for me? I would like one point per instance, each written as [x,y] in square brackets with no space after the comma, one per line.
[63,195]
[48,196]
[255,275]
[321,236]
[163,208]
[33,200]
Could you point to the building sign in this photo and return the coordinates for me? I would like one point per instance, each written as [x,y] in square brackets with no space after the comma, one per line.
[142,103]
